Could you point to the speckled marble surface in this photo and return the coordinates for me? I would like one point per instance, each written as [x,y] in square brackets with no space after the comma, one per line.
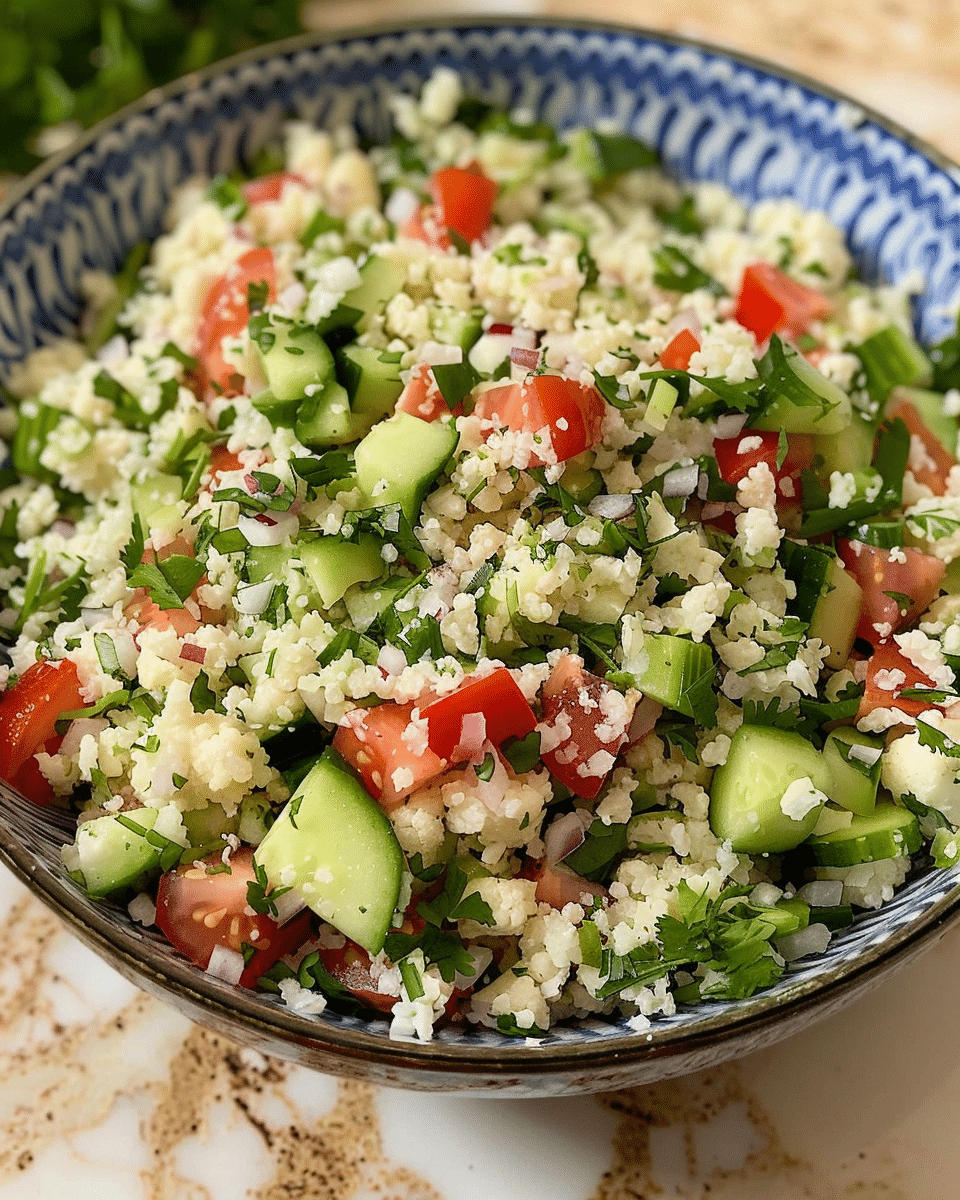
[106,1093]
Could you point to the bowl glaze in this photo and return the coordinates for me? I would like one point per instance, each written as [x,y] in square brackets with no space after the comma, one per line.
[713,116]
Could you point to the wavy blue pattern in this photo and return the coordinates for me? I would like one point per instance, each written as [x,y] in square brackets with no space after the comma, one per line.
[711,117]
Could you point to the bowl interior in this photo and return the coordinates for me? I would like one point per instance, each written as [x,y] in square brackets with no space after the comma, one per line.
[712,117]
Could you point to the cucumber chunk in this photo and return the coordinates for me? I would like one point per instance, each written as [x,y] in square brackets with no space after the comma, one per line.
[118,852]
[849,450]
[768,795]
[334,844]
[298,358]
[399,459]
[334,565]
[372,382]
[854,761]
[887,832]
[674,671]
[325,419]
[828,598]
[805,401]
[155,497]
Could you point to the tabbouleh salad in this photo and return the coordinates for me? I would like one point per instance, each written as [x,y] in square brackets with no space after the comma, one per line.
[478,578]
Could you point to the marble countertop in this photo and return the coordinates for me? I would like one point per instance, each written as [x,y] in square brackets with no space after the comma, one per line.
[106,1093]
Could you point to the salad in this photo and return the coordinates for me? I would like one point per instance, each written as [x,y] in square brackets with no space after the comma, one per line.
[476,578]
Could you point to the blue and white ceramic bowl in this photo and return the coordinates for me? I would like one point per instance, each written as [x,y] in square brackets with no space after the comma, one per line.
[713,117]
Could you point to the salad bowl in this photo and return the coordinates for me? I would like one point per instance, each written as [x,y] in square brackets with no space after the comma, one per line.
[712,117]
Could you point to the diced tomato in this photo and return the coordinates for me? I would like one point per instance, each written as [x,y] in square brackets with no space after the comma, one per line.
[571,411]
[772,302]
[888,579]
[496,697]
[197,911]
[598,718]
[421,397]
[934,471]
[350,966]
[371,741]
[677,353]
[558,886]
[269,187]
[463,200]
[882,669]
[147,613]
[737,456]
[226,312]
[28,717]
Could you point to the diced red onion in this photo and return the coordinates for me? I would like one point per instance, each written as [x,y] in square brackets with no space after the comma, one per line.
[439,354]
[612,508]
[562,837]
[498,327]
[292,298]
[481,957]
[92,617]
[522,357]
[114,351]
[686,318]
[258,533]
[192,653]
[473,735]
[645,716]
[288,904]
[822,893]
[681,481]
[729,425]
[525,338]
[253,599]
[64,529]
[401,204]
[226,964]
[805,942]
[143,910]
[391,659]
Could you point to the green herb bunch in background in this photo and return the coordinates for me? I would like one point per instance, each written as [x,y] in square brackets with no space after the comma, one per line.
[79,60]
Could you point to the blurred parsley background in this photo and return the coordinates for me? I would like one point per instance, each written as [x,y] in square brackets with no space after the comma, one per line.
[64,64]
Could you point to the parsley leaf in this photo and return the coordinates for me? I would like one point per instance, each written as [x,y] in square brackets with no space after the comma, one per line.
[170,581]
[677,272]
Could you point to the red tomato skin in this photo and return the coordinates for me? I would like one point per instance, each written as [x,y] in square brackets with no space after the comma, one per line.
[350,966]
[918,577]
[29,712]
[225,313]
[421,397]
[575,694]
[496,696]
[679,350]
[771,302]
[285,940]
[572,412]
[197,912]
[887,657]
[269,187]
[735,465]
[933,476]
[464,199]
[370,740]
[559,886]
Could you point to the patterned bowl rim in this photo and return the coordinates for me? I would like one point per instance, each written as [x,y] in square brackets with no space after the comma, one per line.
[160,972]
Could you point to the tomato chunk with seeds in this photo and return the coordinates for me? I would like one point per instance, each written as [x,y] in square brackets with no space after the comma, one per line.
[390,766]
[889,673]
[568,412]
[226,312]
[496,698]
[677,353]
[463,199]
[198,910]
[269,187]
[28,717]
[930,462]
[421,397]
[897,585]
[594,719]
[559,886]
[771,302]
